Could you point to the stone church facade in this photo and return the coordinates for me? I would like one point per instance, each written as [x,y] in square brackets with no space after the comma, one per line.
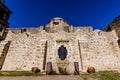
[65,46]
[37,46]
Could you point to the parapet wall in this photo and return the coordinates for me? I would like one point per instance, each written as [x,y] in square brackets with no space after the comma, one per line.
[101,51]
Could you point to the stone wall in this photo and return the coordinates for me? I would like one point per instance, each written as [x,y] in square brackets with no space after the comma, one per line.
[85,46]
[4,47]
[103,51]
[25,52]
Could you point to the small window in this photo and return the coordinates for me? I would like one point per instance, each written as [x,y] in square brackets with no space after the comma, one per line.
[55,23]
[62,52]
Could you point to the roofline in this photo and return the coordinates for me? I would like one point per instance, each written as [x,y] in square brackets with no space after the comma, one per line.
[6,7]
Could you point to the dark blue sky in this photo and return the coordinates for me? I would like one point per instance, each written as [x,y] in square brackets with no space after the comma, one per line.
[30,13]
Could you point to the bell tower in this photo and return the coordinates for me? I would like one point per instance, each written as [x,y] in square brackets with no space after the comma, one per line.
[57,24]
[4,15]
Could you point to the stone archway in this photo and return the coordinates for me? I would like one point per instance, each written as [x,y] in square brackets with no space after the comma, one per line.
[62,61]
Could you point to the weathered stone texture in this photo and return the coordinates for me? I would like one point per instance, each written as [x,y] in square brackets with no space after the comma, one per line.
[35,47]
[114,25]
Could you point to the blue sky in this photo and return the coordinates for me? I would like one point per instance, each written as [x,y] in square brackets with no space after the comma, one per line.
[33,13]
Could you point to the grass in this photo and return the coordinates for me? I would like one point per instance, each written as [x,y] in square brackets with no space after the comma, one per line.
[20,73]
[109,75]
[101,75]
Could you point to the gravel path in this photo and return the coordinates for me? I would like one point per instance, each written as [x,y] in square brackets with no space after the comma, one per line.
[53,77]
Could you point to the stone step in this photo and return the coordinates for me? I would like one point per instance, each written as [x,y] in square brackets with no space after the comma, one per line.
[50,77]
[62,77]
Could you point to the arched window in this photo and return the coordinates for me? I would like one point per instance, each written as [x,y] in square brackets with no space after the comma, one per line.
[62,52]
